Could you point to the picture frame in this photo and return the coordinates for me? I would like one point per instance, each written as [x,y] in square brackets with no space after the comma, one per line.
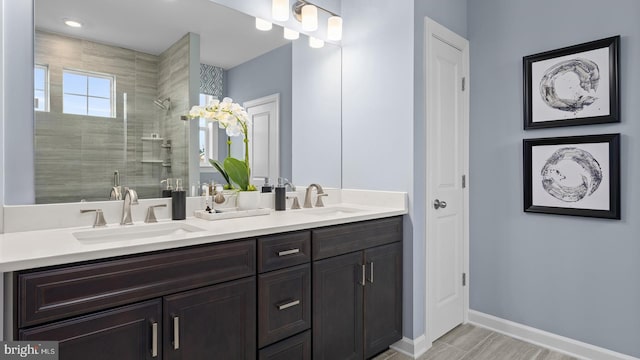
[575,85]
[574,175]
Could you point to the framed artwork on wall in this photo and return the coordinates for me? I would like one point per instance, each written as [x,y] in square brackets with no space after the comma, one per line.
[576,85]
[576,175]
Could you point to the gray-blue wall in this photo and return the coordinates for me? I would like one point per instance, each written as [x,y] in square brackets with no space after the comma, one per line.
[576,277]
[266,75]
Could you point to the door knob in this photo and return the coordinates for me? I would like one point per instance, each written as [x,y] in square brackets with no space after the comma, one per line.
[437,204]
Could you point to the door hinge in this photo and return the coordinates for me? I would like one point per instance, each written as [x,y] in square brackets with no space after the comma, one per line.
[464,181]
[464,81]
[464,279]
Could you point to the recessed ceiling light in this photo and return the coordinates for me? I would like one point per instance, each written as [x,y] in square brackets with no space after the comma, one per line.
[73,23]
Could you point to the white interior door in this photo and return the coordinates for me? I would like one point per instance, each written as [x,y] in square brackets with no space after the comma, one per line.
[446,165]
[264,149]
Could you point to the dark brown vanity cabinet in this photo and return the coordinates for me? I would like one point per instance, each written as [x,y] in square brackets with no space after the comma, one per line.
[357,289]
[193,303]
[327,293]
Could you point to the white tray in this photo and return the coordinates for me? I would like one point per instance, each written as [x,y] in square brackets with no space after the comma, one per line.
[230,214]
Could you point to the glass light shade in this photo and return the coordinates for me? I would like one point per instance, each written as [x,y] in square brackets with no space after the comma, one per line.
[315,42]
[280,10]
[334,28]
[291,34]
[309,18]
[263,25]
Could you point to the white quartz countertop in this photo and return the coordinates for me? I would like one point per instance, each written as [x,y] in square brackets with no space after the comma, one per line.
[32,249]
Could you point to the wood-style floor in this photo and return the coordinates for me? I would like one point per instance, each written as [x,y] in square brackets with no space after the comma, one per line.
[468,342]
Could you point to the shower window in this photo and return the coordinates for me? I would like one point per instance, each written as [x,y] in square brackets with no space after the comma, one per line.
[208,134]
[41,88]
[88,93]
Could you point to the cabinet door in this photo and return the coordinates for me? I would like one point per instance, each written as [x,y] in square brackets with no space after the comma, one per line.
[382,298]
[127,333]
[337,308]
[215,322]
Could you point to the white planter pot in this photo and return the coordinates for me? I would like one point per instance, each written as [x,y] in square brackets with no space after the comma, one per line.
[230,200]
[248,200]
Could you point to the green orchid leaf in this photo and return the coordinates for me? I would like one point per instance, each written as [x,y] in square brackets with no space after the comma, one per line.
[238,172]
[218,165]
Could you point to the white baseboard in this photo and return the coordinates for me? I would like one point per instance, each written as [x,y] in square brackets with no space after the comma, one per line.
[549,340]
[413,348]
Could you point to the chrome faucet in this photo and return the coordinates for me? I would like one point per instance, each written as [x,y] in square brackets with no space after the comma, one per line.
[130,198]
[307,196]
[286,183]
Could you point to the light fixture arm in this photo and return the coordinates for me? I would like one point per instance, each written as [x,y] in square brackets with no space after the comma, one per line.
[297,9]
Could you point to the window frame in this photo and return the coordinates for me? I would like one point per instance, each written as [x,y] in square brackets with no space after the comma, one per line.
[47,99]
[88,75]
[210,130]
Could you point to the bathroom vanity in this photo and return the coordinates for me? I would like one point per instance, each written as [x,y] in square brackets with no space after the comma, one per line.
[322,285]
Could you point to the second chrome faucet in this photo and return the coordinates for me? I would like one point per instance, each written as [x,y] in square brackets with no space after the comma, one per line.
[308,193]
[130,198]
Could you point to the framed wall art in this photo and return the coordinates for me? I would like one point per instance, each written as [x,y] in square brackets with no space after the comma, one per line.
[576,85]
[576,175]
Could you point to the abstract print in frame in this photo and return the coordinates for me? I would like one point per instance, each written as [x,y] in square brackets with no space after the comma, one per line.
[576,85]
[576,175]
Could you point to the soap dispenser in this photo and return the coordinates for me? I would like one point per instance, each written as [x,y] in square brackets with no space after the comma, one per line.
[166,192]
[267,188]
[178,202]
[281,195]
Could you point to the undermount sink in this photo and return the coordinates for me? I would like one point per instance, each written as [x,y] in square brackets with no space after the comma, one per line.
[161,231]
[331,211]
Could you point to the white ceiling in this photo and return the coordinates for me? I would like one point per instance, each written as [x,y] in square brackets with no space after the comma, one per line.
[227,37]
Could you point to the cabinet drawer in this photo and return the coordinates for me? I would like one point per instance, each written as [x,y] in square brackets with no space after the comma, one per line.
[342,239]
[280,251]
[295,348]
[45,295]
[284,305]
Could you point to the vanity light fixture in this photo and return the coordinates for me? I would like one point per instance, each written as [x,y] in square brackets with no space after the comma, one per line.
[307,13]
[315,42]
[280,10]
[72,23]
[291,34]
[263,25]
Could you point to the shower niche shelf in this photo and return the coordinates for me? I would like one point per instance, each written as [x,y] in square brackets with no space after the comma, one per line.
[152,139]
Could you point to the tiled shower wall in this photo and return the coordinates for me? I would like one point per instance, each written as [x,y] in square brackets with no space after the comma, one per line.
[173,83]
[76,156]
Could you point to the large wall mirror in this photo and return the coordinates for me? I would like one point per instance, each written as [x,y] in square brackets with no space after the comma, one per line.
[108,96]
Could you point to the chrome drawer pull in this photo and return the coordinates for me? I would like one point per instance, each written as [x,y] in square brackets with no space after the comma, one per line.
[371,272]
[176,333]
[364,274]
[288,305]
[288,252]
[154,339]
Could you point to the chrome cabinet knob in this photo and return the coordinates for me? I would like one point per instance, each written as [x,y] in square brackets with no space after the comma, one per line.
[437,204]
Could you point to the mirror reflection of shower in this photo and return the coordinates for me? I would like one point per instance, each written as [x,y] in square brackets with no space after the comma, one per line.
[163,104]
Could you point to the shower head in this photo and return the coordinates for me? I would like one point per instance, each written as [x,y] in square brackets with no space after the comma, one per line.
[164,104]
